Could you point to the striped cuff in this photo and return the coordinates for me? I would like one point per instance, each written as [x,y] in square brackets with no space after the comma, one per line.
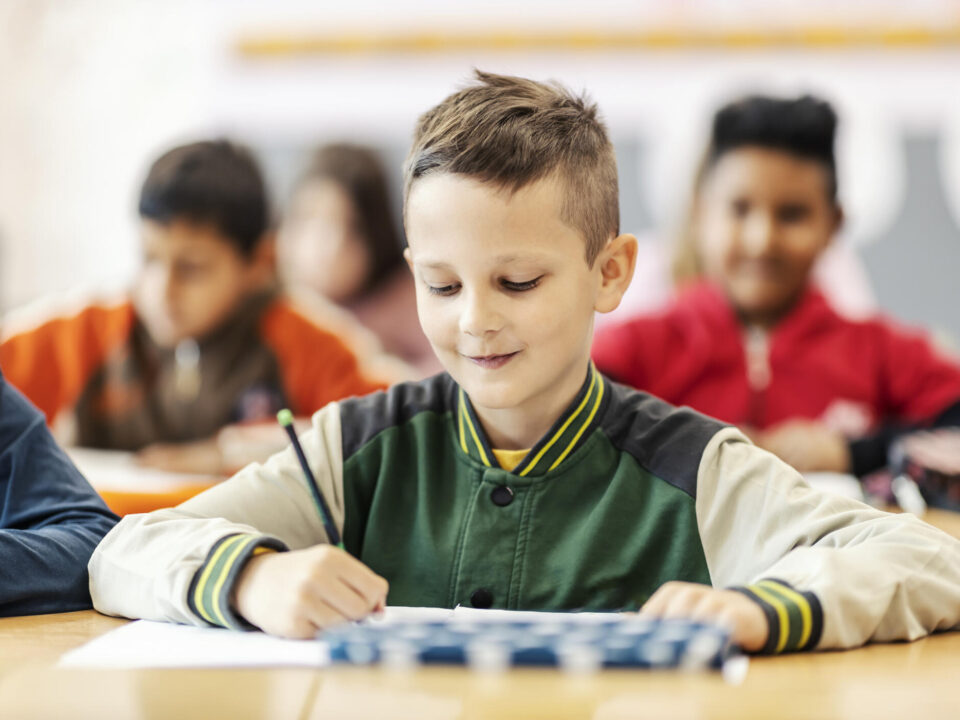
[795,618]
[209,593]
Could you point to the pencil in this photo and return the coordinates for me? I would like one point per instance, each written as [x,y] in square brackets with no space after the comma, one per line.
[285,418]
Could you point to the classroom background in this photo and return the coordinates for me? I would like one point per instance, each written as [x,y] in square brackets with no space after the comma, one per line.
[92,90]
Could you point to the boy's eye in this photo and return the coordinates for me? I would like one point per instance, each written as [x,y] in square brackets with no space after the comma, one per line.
[189,270]
[740,208]
[443,289]
[792,213]
[521,286]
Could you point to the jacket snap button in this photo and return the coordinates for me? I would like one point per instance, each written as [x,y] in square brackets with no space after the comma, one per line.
[482,598]
[501,496]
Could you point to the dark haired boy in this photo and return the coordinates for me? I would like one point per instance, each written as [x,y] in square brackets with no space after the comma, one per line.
[522,478]
[749,339]
[204,340]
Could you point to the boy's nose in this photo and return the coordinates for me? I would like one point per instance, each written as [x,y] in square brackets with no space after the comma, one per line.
[759,234]
[478,316]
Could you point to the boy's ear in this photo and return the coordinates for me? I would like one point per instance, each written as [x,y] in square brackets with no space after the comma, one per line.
[616,261]
[263,261]
[839,219]
[408,257]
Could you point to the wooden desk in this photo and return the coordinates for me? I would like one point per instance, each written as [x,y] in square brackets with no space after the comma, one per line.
[129,488]
[917,680]
[946,520]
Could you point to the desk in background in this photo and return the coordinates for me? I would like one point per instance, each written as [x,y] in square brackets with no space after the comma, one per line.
[129,488]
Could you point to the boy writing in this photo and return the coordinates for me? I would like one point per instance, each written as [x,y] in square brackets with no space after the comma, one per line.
[522,478]
[205,340]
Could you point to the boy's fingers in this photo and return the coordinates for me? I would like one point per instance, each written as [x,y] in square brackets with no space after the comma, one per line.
[683,602]
[323,615]
[710,606]
[659,601]
[344,599]
[370,586]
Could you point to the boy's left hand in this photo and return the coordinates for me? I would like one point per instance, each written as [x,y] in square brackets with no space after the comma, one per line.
[693,601]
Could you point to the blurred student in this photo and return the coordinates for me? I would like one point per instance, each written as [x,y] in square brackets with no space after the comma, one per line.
[339,240]
[50,517]
[750,339]
[204,339]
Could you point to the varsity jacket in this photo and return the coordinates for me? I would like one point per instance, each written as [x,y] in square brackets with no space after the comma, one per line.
[98,373]
[50,517]
[624,493]
[862,378]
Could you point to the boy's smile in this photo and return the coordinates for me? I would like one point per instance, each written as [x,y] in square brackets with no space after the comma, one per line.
[492,362]
[505,297]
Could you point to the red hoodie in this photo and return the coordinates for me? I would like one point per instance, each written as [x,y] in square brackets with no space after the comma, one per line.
[815,364]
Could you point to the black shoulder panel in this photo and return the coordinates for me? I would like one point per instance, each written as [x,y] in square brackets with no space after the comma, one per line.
[363,418]
[665,440]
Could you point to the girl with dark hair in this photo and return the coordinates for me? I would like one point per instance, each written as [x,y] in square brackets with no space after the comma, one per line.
[339,239]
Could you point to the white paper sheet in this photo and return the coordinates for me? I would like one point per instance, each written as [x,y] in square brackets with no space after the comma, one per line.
[146,644]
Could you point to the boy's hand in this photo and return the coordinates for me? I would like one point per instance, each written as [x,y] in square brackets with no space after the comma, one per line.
[807,445]
[693,601]
[294,594]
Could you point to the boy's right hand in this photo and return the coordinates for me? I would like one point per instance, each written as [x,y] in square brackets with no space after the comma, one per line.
[295,594]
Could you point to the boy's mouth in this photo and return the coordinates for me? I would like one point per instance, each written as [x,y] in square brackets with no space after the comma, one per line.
[492,362]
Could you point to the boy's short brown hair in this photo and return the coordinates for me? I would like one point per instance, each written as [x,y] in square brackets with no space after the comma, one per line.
[511,131]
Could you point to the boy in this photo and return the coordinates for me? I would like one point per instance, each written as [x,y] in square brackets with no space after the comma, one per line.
[523,478]
[749,339]
[50,517]
[204,341]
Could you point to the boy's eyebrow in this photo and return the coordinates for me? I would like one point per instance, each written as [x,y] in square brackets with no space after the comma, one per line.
[499,260]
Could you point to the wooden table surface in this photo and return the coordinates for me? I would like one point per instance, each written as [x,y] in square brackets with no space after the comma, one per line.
[916,681]
[903,680]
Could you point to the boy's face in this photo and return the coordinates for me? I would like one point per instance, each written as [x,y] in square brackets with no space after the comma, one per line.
[764,217]
[504,292]
[192,279]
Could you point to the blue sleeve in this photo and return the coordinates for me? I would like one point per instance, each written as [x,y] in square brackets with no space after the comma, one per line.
[50,518]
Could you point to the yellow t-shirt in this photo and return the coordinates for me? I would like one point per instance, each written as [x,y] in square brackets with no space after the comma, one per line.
[509,459]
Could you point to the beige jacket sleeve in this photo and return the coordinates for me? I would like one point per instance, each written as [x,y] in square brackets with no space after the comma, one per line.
[178,564]
[873,575]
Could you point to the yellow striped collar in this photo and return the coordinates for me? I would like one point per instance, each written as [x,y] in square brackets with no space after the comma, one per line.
[570,430]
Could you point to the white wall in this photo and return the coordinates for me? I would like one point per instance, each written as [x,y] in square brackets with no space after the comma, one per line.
[91,90]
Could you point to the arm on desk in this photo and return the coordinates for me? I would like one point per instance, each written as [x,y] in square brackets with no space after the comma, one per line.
[874,575]
[50,517]
[180,564]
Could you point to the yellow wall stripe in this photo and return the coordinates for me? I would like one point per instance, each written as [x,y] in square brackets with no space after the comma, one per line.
[205,577]
[559,433]
[586,424]
[813,37]
[800,601]
[781,613]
